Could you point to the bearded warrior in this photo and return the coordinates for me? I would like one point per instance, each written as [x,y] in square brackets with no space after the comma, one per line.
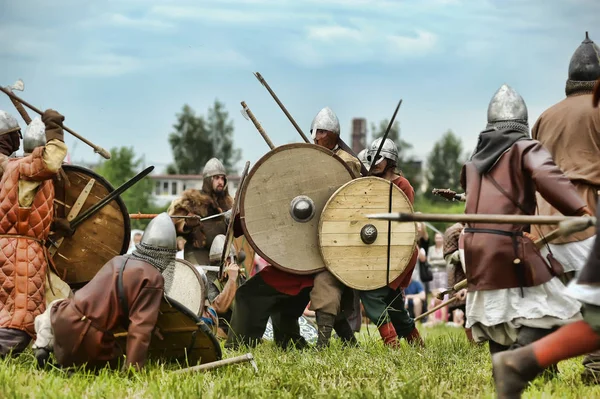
[385,306]
[213,199]
[26,210]
[126,293]
[514,296]
[10,134]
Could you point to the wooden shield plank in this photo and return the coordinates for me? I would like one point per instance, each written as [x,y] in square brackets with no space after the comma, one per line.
[97,240]
[357,264]
[179,336]
[287,172]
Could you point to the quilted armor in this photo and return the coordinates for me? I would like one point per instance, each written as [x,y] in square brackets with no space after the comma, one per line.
[23,230]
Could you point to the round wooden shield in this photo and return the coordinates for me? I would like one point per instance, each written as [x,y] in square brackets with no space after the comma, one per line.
[103,236]
[292,174]
[355,248]
[188,288]
[179,336]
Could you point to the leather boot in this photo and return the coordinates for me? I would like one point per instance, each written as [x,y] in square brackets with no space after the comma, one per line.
[513,370]
[325,322]
[414,338]
[344,331]
[389,335]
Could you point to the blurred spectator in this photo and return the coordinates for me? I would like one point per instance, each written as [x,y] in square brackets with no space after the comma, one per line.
[435,258]
[180,246]
[415,297]
[136,238]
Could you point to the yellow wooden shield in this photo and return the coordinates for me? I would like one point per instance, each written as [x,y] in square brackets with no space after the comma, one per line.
[354,248]
[282,200]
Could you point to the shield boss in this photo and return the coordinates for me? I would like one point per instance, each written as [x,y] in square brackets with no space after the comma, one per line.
[282,200]
[353,247]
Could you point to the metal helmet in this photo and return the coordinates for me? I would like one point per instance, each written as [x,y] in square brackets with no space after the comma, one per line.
[326,119]
[585,62]
[216,249]
[8,123]
[34,135]
[160,233]
[214,167]
[362,157]
[507,106]
[388,151]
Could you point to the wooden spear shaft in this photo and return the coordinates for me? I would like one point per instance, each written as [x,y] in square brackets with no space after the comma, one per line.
[474,218]
[219,363]
[441,305]
[257,125]
[99,150]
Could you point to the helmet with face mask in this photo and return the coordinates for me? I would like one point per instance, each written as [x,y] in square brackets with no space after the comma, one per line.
[388,151]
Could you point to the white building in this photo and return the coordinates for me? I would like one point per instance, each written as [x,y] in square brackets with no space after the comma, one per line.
[169,187]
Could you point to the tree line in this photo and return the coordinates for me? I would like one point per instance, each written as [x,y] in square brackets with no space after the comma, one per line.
[196,138]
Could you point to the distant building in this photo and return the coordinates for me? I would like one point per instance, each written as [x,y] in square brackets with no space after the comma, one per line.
[359,134]
[169,187]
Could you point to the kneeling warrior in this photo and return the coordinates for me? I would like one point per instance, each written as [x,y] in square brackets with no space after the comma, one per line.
[126,292]
[213,199]
[26,208]
[385,306]
[514,296]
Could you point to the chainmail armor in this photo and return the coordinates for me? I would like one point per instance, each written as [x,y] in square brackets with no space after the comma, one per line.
[579,87]
[519,126]
[161,258]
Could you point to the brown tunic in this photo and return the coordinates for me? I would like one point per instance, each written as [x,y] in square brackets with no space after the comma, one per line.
[519,171]
[82,325]
[570,131]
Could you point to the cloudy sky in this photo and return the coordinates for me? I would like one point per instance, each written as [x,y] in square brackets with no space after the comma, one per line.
[120,70]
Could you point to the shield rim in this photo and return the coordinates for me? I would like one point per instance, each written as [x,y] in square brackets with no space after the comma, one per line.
[199,276]
[120,202]
[354,181]
[243,201]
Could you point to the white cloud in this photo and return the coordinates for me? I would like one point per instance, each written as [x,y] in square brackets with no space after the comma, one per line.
[143,23]
[101,65]
[333,33]
[422,44]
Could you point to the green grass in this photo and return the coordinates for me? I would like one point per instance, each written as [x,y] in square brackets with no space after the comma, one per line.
[449,367]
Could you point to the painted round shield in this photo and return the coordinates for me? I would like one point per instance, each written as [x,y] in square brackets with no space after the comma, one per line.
[188,288]
[179,336]
[355,248]
[103,236]
[282,200]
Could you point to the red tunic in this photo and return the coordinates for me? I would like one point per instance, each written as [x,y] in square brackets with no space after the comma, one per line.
[284,282]
[404,279]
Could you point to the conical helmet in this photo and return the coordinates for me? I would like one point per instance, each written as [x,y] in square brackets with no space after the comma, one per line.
[507,106]
[34,135]
[216,249]
[388,151]
[326,119]
[214,167]
[8,123]
[161,233]
[585,62]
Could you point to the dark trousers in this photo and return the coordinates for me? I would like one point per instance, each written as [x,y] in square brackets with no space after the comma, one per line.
[385,305]
[13,341]
[255,302]
[525,336]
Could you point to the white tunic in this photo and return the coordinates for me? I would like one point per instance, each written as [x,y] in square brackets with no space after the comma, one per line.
[573,255]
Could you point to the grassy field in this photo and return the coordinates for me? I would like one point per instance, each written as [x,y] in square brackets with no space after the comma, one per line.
[449,367]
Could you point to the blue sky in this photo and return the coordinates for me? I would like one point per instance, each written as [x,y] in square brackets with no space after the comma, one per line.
[120,70]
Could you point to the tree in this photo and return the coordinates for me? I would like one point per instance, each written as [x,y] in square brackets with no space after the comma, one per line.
[197,139]
[121,167]
[409,165]
[444,163]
